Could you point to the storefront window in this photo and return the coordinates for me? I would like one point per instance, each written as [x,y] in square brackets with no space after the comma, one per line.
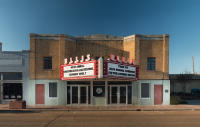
[12,75]
[12,90]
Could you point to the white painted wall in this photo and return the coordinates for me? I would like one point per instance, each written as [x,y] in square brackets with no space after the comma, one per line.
[61,92]
[137,100]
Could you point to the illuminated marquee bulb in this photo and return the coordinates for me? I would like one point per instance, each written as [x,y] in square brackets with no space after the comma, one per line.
[132,61]
[71,60]
[82,59]
[88,57]
[123,59]
[112,57]
[65,61]
[76,59]
[118,59]
[127,60]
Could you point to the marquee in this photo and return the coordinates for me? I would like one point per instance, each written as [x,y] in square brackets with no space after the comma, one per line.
[88,68]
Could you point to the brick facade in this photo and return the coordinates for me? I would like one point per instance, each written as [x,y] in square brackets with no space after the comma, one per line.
[137,47]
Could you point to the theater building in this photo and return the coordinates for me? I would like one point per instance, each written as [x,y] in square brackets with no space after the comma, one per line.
[67,70]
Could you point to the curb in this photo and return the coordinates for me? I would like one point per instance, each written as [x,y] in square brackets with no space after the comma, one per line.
[72,110]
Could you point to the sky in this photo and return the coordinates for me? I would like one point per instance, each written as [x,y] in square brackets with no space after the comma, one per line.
[178,18]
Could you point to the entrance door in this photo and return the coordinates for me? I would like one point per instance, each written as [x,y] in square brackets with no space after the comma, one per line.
[158,94]
[74,95]
[114,95]
[77,94]
[122,97]
[83,95]
[118,95]
[39,93]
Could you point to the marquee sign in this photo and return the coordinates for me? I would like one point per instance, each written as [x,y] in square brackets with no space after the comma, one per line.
[123,68]
[117,70]
[81,70]
[120,70]
[86,68]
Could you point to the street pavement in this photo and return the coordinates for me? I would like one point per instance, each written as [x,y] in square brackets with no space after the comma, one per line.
[101,119]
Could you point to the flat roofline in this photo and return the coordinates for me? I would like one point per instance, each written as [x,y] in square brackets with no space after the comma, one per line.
[50,35]
[99,36]
[15,51]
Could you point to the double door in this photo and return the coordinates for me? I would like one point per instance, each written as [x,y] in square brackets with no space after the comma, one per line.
[118,94]
[78,94]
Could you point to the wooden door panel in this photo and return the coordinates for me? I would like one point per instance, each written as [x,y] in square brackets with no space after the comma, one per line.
[39,93]
[158,94]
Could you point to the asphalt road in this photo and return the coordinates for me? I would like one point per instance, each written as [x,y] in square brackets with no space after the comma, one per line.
[102,119]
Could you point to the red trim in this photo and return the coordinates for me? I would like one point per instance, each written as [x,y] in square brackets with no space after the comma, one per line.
[95,63]
[83,77]
[61,72]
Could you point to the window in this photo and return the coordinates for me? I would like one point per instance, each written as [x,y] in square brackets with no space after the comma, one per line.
[12,91]
[151,63]
[12,75]
[53,89]
[145,90]
[47,62]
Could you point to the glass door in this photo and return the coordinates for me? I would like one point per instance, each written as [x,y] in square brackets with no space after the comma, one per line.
[74,94]
[118,95]
[77,94]
[114,95]
[83,95]
[122,96]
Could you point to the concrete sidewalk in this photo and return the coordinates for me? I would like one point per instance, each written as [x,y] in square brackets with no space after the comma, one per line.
[4,107]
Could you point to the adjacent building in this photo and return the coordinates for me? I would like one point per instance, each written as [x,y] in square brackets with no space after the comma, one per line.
[149,86]
[184,83]
[14,75]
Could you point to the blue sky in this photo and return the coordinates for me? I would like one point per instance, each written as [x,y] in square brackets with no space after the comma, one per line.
[178,18]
